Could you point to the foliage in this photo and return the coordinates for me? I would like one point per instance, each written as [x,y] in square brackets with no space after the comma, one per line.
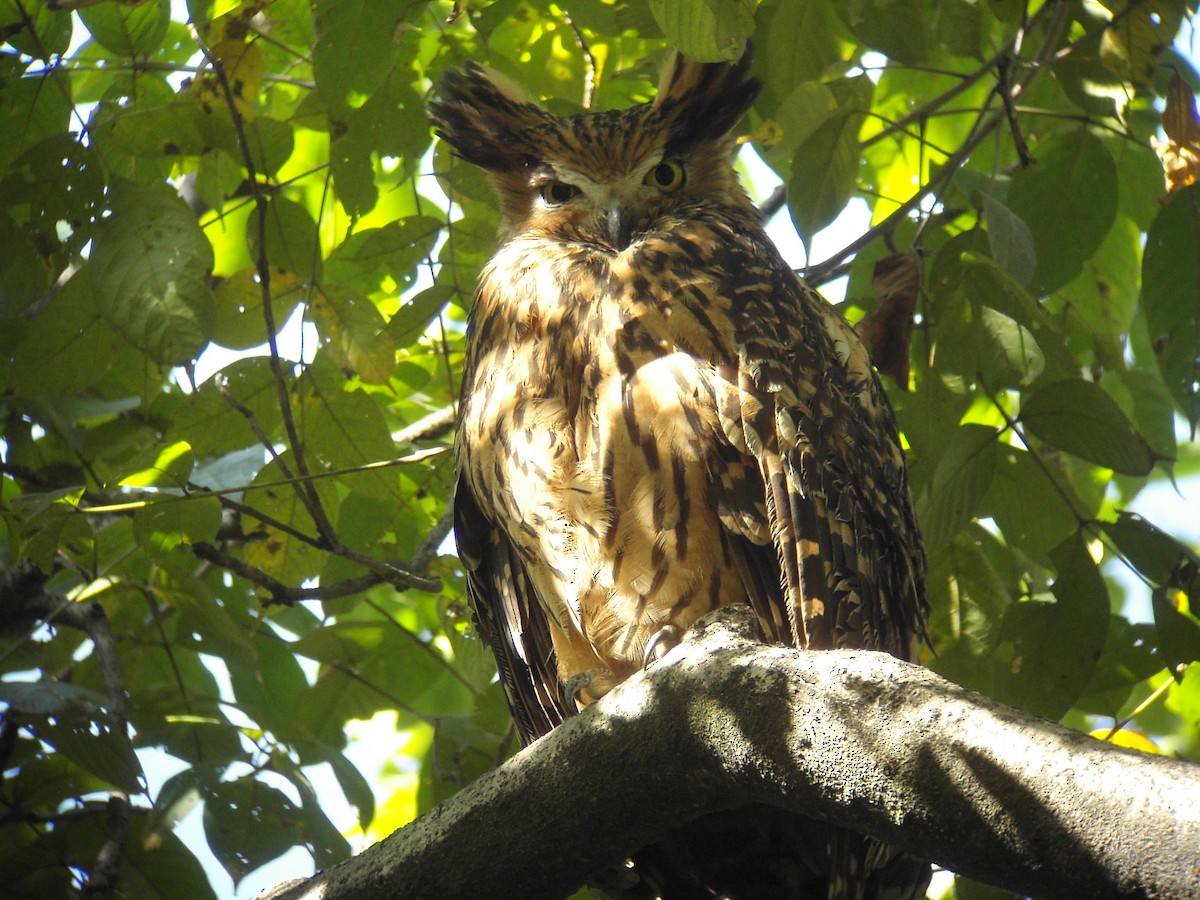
[232,569]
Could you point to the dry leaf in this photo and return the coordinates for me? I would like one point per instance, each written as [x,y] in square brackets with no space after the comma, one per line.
[1180,152]
[887,331]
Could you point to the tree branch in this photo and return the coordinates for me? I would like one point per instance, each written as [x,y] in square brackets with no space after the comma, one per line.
[859,738]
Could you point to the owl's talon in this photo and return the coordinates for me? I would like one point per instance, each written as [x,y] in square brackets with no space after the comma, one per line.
[660,644]
[578,683]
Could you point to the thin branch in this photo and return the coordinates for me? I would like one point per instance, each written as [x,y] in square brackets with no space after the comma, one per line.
[222,385]
[434,425]
[984,127]
[306,492]
[429,547]
[589,62]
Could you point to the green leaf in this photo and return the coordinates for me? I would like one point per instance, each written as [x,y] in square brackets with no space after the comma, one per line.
[46,697]
[960,481]
[1009,356]
[217,419]
[356,788]
[968,599]
[355,48]
[128,30]
[293,243]
[1010,241]
[249,823]
[150,266]
[272,691]
[32,109]
[411,319]
[1068,198]
[1028,506]
[1170,292]
[1130,657]
[802,112]
[825,165]
[34,29]
[706,30]
[1056,645]
[160,865]
[68,346]
[279,553]
[163,526]
[353,332]
[347,431]
[800,44]
[1081,418]
[370,257]
[898,30]
[96,747]
[1150,550]
[1104,294]
[1137,35]
[1178,632]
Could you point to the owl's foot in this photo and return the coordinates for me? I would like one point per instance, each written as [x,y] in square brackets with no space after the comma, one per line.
[578,683]
[660,644]
[590,685]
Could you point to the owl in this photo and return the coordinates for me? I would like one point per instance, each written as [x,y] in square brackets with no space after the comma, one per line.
[658,418]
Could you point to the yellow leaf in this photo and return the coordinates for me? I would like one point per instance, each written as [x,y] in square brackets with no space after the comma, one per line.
[243,66]
[1134,740]
[1180,152]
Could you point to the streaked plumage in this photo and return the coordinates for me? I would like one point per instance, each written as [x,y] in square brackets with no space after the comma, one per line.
[657,418]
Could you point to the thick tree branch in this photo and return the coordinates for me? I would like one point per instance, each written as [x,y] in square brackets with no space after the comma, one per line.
[859,738]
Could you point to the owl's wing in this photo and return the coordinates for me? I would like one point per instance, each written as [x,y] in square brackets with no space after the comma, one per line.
[510,619]
[804,403]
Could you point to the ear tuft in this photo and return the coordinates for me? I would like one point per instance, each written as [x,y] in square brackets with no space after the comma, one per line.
[705,100]
[485,117]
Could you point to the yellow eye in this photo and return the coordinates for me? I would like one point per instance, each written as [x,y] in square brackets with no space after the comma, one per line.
[556,193]
[668,176]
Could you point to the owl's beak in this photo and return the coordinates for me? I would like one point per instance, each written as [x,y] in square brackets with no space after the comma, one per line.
[617,222]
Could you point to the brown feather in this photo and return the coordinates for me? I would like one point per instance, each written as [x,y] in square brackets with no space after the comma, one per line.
[660,419]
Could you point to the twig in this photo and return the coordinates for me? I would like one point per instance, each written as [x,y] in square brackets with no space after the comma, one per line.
[92,620]
[589,62]
[768,209]
[222,386]
[381,572]
[306,492]
[982,130]
[437,534]
[431,426]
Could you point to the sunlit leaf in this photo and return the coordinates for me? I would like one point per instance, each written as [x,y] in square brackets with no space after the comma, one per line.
[1132,740]
[1137,35]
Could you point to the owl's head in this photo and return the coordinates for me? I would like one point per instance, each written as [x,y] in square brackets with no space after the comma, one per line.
[600,178]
